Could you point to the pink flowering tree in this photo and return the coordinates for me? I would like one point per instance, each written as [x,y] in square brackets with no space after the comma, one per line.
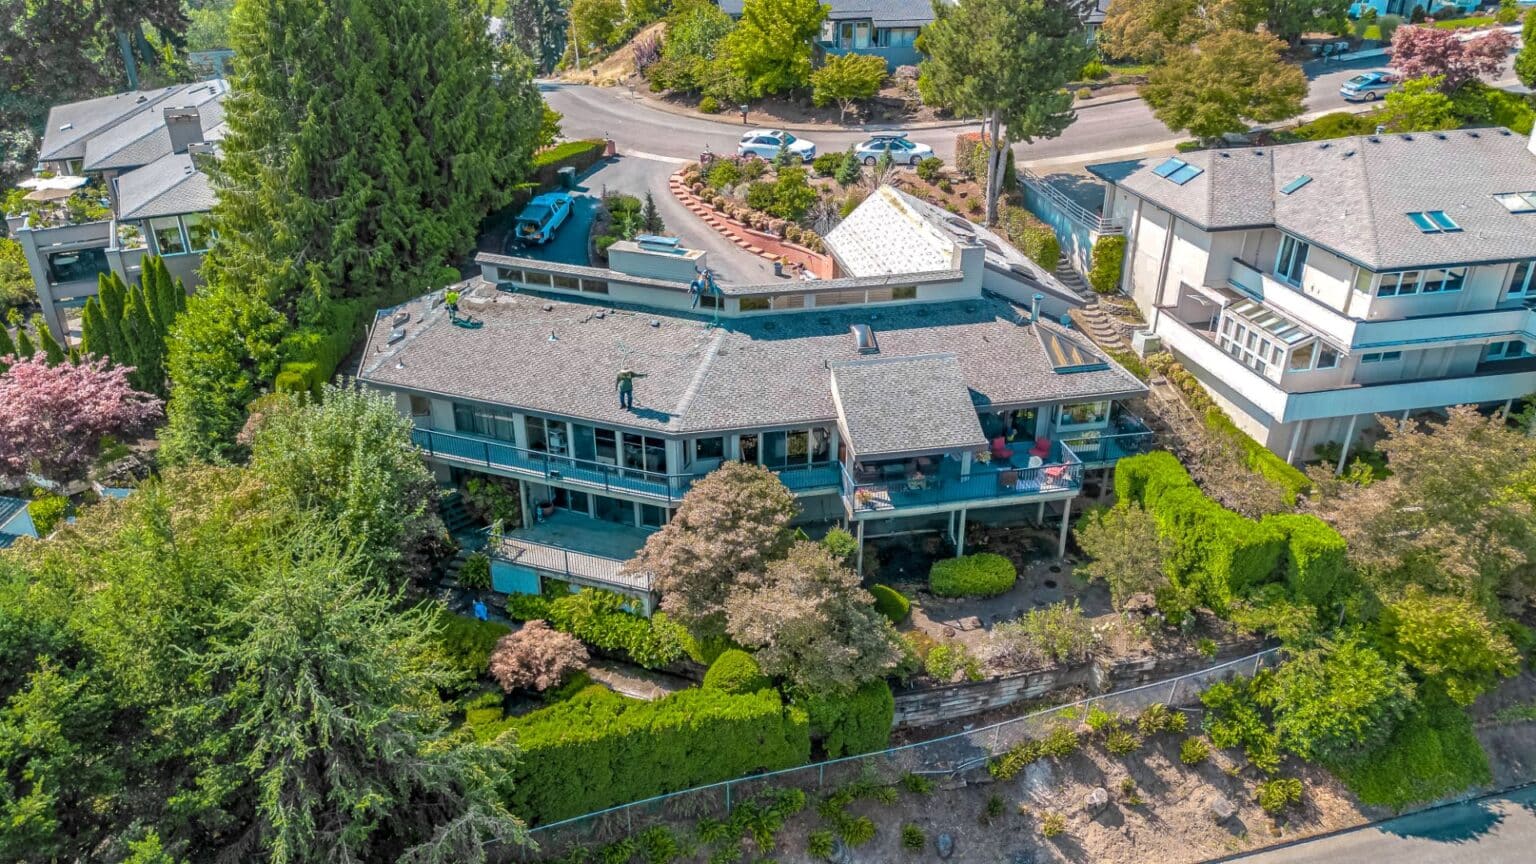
[52,418]
[1426,51]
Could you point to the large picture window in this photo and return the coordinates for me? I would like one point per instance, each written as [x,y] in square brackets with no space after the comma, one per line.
[1291,260]
[167,233]
[199,231]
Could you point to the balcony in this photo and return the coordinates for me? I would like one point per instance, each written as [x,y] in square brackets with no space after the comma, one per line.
[587,475]
[892,487]
[1127,435]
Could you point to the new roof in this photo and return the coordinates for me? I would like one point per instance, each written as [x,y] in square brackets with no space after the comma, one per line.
[72,124]
[891,232]
[1361,191]
[169,186]
[559,356]
[142,137]
[876,400]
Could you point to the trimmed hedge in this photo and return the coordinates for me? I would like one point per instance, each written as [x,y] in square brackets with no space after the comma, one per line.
[850,725]
[598,619]
[1218,554]
[467,643]
[735,672]
[1108,256]
[984,574]
[1033,237]
[312,352]
[1316,565]
[599,749]
[891,603]
[1432,753]
[1260,459]
[580,155]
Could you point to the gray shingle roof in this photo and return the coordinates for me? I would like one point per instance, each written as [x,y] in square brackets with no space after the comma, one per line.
[882,12]
[1360,192]
[141,138]
[750,372]
[169,186]
[71,125]
[900,405]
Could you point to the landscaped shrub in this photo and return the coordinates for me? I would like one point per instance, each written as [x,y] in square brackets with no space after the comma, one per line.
[1014,759]
[599,749]
[709,105]
[984,574]
[930,169]
[1034,238]
[580,155]
[917,784]
[467,643]
[47,511]
[1060,743]
[536,658]
[311,353]
[826,164]
[1101,721]
[598,619]
[891,603]
[1259,459]
[475,574]
[1121,742]
[820,844]
[1316,566]
[735,672]
[1235,720]
[1159,718]
[1094,70]
[943,661]
[1052,825]
[723,173]
[1432,753]
[849,725]
[1059,632]
[912,838]
[1108,256]
[1276,794]
[760,195]
[971,158]
[1194,751]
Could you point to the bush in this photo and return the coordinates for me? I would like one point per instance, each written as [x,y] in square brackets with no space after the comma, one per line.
[1121,742]
[598,619]
[536,658]
[467,643]
[1339,124]
[1108,257]
[826,164]
[580,155]
[760,195]
[628,749]
[1059,632]
[820,844]
[1060,743]
[1316,565]
[943,661]
[971,158]
[1094,70]
[1052,825]
[1431,754]
[842,546]
[1034,238]
[856,831]
[311,353]
[850,725]
[931,169]
[1276,794]
[723,173]
[709,105]
[1159,718]
[984,574]
[1259,459]
[1015,759]
[1101,721]
[917,784]
[891,603]
[47,511]
[1083,93]
[475,574]
[1131,362]
[1234,720]
[1194,751]
[912,838]
[735,672]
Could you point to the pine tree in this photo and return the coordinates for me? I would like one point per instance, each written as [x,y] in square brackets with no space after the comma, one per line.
[94,327]
[849,172]
[49,345]
[24,347]
[146,341]
[650,217]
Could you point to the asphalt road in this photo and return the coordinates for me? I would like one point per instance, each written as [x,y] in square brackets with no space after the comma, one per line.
[1102,132]
[1489,831]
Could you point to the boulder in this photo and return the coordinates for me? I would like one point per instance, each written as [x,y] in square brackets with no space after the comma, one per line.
[970,622]
[945,845]
[1221,809]
[1096,801]
[1039,778]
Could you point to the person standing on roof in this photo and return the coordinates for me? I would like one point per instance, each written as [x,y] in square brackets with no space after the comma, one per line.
[626,385]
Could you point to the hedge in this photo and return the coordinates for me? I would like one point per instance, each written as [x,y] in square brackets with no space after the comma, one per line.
[850,725]
[467,643]
[1034,238]
[598,619]
[580,155]
[1108,256]
[312,352]
[984,574]
[1291,480]
[599,749]
[1316,567]
[1217,553]
[1432,753]
[735,672]
[891,603]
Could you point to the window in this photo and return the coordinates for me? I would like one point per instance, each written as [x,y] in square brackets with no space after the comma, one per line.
[546,435]
[789,301]
[652,516]
[709,448]
[1381,356]
[829,32]
[1434,222]
[775,452]
[613,510]
[481,421]
[1511,350]
[1520,280]
[840,298]
[594,286]
[607,446]
[1177,171]
[1399,284]
[583,442]
[645,453]
[1301,358]
[1291,260]
[421,406]
[199,232]
[1327,358]
[888,295]
[754,304]
[167,233]
[1517,202]
[77,265]
[895,37]
[1084,414]
[567,283]
[711,301]
[748,445]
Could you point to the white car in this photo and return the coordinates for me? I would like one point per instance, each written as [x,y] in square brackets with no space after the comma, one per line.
[902,151]
[765,144]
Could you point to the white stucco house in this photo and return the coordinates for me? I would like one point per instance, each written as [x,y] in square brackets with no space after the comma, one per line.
[1311,287]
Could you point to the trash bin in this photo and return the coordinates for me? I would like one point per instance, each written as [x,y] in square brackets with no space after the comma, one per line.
[567,177]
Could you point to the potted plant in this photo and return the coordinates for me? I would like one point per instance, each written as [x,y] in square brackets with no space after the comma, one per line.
[863,497]
[546,509]
[984,456]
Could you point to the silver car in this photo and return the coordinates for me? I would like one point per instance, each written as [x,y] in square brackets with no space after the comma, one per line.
[902,151]
[765,144]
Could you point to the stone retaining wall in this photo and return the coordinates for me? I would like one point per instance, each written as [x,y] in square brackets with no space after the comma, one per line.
[757,242]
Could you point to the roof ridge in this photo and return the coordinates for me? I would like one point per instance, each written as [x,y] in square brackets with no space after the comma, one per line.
[1370,212]
[697,382]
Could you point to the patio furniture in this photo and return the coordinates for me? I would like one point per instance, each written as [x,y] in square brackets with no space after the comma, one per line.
[1000,448]
[1035,461]
[1042,448]
[1008,480]
[916,482]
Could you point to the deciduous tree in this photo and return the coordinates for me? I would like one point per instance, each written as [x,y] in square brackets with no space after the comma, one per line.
[53,417]
[1008,62]
[1336,699]
[1124,550]
[846,79]
[1147,30]
[1419,106]
[539,28]
[695,33]
[771,45]
[1225,82]
[1430,51]
[536,657]
[1449,640]
[812,624]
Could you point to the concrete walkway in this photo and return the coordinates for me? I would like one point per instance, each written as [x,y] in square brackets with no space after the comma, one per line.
[633,681]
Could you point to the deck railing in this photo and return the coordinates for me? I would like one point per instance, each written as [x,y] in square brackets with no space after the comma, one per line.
[579,567]
[1090,219]
[1127,435]
[983,482]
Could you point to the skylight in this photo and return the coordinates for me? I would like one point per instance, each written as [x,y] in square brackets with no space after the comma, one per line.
[1434,222]
[1169,165]
[1295,184]
[1185,174]
[1517,202]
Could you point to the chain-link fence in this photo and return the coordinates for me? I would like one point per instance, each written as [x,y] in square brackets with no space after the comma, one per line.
[949,755]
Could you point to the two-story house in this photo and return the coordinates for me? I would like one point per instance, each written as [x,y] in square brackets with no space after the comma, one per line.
[140,151]
[1311,287]
[888,402]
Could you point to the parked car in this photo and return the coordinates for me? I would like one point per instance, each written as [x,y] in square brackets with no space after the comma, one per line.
[1368,86]
[765,144]
[542,217]
[903,152]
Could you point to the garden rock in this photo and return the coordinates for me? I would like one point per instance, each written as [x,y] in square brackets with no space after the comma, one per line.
[946,845]
[1096,801]
[968,623]
[1039,777]
[841,854]
[1222,809]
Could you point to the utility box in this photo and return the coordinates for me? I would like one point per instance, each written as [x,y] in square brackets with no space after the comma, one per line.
[1145,342]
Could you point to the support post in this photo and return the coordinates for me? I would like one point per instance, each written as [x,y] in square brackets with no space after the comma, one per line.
[1349,438]
[1040,515]
[960,536]
[1508,404]
[1290,454]
[858,564]
[1061,543]
[522,500]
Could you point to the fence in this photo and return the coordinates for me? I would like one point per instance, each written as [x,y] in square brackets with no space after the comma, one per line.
[950,755]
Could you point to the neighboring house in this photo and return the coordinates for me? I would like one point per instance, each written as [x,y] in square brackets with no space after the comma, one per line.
[142,149]
[15,521]
[884,28]
[1311,287]
[888,401]
[1405,8]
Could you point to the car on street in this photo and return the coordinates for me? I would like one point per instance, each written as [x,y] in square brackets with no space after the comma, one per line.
[544,215]
[901,150]
[766,143]
[1368,86]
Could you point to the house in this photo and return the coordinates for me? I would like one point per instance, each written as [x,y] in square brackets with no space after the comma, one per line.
[1406,8]
[15,521]
[1311,287]
[887,401]
[138,151]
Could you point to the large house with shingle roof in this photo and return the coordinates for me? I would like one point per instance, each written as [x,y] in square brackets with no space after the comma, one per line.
[884,400]
[139,151]
[1313,287]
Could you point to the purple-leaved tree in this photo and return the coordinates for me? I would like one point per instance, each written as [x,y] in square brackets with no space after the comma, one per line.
[1425,51]
[52,418]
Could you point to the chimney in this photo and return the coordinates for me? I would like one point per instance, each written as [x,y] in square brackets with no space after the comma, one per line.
[185,126]
[1034,307]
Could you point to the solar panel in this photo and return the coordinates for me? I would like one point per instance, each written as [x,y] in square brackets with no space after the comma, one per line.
[1295,184]
[1184,174]
[1170,165]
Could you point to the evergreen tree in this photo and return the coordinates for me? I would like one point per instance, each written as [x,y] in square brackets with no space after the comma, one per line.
[111,293]
[650,217]
[24,347]
[849,170]
[146,343]
[94,327]
[7,347]
[49,345]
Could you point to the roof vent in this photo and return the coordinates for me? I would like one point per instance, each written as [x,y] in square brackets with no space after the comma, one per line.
[864,339]
[552,337]
[1505,132]
[1348,153]
[1258,152]
[655,322]
[401,318]
[1406,137]
[1224,155]
[1373,139]
[1474,135]
[1439,136]
[66,127]
[1325,145]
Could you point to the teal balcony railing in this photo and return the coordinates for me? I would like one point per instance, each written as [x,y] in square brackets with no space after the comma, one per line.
[913,488]
[1127,435]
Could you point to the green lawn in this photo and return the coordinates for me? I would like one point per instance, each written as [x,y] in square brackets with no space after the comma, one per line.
[1463,23]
